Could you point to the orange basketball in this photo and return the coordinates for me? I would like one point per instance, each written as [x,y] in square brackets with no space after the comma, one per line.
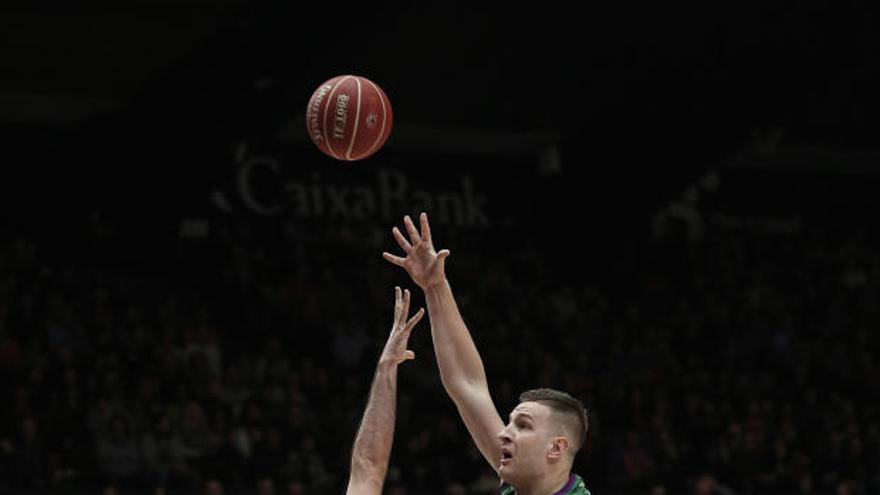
[349,117]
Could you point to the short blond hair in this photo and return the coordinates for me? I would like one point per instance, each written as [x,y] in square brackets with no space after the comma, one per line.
[570,410]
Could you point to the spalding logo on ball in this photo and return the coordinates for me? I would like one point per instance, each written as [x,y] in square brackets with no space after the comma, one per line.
[349,117]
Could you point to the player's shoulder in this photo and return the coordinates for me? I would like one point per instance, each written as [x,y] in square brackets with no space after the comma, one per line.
[579,488]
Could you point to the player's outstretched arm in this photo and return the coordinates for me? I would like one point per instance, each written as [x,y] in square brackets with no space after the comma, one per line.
[372,445]
[461,368]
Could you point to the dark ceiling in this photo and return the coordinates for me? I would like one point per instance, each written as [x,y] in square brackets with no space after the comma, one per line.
[545,66]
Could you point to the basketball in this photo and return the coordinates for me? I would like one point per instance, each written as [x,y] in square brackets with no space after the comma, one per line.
[349,117]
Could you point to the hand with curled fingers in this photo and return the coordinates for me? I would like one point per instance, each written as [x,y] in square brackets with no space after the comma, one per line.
[395,351]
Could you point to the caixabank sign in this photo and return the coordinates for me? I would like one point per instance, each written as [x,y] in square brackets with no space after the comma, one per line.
[468,193]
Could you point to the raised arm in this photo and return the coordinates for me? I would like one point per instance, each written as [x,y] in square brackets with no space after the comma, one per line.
[461,368]
[372,445]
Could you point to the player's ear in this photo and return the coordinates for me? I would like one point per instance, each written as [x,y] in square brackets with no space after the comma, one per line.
[558,447]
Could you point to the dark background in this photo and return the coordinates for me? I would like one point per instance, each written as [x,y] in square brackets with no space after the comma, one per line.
[640,100]
[624,147]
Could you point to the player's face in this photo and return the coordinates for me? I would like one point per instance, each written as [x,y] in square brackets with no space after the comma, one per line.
[525,442]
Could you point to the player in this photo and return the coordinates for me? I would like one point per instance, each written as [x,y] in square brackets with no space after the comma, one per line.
[533,454]
[372,445]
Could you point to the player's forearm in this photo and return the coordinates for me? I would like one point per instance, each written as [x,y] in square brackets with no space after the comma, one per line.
[459,361]
[372,445]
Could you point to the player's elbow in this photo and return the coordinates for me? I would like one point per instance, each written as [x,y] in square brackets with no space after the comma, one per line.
[451,385]
[461,389]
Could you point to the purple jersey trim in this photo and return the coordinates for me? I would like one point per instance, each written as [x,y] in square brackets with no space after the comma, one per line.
[568,486]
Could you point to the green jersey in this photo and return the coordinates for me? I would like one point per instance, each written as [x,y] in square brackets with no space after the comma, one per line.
[575,486]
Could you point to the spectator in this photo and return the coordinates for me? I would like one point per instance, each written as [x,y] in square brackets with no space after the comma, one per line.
[118,455]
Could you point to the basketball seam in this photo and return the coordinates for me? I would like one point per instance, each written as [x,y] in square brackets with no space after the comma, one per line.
[384,118]
[357,120]
[324,120]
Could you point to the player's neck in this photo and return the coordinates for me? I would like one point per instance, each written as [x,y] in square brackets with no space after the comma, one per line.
[546,485]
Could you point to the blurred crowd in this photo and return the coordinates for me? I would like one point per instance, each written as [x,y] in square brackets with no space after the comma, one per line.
[745,363]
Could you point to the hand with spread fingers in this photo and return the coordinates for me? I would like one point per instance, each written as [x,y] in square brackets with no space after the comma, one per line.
[424,264]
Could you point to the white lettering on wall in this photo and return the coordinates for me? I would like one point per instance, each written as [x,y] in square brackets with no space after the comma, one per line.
[385,196]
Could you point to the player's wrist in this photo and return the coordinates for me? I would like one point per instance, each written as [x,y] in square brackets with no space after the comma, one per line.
[387,364]
[435,286]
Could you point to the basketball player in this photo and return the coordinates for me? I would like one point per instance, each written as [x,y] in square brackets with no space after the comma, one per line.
[372,445]
[533,454]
